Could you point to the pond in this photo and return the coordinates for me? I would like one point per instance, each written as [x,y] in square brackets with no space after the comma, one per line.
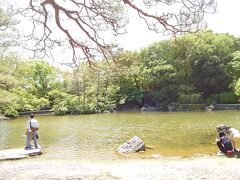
[97,136]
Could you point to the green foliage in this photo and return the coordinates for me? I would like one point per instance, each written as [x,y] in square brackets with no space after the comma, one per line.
[59,102]
[126,86]
[228,98]
[191,69]
[56,96]
[60,109]
[11,112]
[19,100]
[29,102]
[209,76]
[237,88]
[201,60]
[7,100]
[165,95]
[8,72]
[6,97]
[63,103]
[213,98]
[40,75]
[108,99]
[190,99]
[158,76]
[126,91]
[234,67]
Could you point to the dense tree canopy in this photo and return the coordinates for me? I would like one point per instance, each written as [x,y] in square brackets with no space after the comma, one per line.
[237,87]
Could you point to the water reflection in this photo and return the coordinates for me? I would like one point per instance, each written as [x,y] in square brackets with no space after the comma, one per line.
[98,136]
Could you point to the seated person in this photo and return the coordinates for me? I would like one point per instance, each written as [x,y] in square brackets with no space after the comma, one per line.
[232,133]
[225,144]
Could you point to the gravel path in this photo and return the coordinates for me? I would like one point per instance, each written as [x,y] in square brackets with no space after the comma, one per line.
[206,167]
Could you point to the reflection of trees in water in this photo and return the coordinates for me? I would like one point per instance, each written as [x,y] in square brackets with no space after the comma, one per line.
[12,134]
[4,133]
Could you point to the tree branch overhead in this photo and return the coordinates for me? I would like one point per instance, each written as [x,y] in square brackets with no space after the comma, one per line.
[84,25]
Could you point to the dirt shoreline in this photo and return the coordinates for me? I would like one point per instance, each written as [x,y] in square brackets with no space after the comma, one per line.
[205,167]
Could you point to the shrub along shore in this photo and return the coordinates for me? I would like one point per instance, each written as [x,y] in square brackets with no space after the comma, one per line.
[170,108]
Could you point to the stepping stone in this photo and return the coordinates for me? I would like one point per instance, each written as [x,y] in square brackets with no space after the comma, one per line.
[14,154]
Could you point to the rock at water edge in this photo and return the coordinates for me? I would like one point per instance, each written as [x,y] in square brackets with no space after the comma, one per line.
[135,144]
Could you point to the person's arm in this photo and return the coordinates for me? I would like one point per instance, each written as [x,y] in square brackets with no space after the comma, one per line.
[28,126]
[217,138]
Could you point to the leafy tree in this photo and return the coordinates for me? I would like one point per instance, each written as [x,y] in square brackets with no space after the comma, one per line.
[178,53]
[129,80]
[210,59]
[28,102]
[234,67]
[237,88]
[40,77]
[8,68]
[209,76]
[43,76]
[7,99]
[158,76]
[183,70]
[16,100]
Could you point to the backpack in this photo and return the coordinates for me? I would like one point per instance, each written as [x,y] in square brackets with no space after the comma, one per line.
[32,128]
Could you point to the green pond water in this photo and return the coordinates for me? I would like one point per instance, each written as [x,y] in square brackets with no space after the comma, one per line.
[97,136]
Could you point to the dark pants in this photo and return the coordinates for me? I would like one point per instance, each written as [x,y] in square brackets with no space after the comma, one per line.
[221,147]
[225,146]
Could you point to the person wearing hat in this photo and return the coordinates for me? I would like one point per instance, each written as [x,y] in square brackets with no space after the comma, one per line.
[32,127]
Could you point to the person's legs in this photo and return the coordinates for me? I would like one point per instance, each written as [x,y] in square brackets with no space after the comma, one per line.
[35,139]
[28,145]
[220,146]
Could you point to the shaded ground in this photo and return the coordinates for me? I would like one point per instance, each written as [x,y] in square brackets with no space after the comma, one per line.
[206,167]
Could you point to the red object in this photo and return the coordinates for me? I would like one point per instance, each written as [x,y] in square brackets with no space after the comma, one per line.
[230,153]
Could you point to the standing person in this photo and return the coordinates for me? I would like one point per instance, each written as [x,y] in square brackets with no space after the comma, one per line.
[32,127]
